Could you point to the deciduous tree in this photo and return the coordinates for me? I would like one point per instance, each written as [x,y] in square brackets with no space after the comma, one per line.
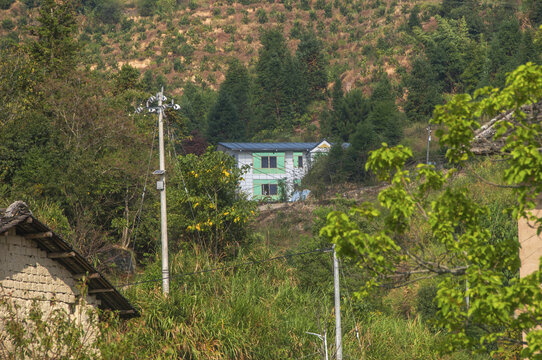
[482,302]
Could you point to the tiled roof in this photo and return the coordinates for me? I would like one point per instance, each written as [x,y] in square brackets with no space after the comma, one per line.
[18,216]
[269,146]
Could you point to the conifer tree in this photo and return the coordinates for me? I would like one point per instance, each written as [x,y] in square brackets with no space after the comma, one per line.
[223,121]
[281,89]
[238,85]
[423,90]
[55,48]
[313,63]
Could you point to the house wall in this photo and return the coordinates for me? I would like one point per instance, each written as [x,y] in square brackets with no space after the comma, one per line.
[530,243]
[256,176]
[27,275]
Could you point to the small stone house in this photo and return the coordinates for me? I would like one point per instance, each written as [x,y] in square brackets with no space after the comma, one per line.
[37,265]
[270,163]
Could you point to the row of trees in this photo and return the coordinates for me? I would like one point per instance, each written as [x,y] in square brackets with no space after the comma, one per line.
[72,147]
[269,101]
[434,224]
[473,46]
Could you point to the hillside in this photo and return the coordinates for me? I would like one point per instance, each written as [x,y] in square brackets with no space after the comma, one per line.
[193,43]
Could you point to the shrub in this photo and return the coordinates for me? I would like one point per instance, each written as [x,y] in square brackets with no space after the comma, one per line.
[127,24]
[146,7]
[5,4]
[230,29]
[425,305]
[261,15]
[328,11]
[211,213]
[7,24]
[320,4]
[108,11]
[192,5]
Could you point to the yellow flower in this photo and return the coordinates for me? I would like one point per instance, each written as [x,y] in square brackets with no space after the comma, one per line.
[226,213]
[198,227]
[196,204]
[225,173]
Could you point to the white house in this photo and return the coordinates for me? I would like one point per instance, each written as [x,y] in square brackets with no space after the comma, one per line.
[272,162]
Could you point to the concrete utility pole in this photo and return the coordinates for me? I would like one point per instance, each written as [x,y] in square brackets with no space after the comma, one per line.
[338,333]
[161,183]
[163,207]
[428,143]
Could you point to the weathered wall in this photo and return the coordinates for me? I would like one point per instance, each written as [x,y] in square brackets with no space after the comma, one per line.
[531,244]
[27,275]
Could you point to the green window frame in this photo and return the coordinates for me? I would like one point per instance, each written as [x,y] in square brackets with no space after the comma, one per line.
[266,188]
[298,160]
[268,163]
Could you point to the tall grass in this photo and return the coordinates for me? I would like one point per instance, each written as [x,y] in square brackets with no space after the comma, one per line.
[260,311]
[252,312]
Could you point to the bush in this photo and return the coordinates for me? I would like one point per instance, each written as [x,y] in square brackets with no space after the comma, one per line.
[5,4]
[212,213]
[262,16]
[425,305]
[108,11]
[7,24]
[146,7]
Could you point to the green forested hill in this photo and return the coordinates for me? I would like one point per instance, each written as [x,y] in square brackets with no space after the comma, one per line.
[363,72]
[358,71]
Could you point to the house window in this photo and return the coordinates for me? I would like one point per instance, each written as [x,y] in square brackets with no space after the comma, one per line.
[269,189]
[269,162]
[300,161]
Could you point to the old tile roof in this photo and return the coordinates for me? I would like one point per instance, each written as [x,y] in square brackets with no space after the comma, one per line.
[19,217]
[483,142]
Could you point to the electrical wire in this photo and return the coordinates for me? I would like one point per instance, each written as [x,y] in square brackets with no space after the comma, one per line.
[137,219]
[287,256]
[171,137]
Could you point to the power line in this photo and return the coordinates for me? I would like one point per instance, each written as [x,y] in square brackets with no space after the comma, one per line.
[137,219]
[287,256]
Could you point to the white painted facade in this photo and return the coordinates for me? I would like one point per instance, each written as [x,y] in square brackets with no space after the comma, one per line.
[288,166]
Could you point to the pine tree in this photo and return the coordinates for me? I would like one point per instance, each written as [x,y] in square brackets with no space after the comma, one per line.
[281,91]
[423,91]
[55,48]
[504,50]
[223,121]
[338,93]
[314,65]
[238,85]
[384,116]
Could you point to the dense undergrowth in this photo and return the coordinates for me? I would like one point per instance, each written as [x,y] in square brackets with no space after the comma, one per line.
[263,310]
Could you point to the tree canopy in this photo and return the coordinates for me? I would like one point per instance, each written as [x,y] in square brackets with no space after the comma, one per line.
[481,299]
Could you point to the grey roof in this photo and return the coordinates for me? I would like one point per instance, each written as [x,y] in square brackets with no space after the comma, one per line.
[18,216]
[269,146]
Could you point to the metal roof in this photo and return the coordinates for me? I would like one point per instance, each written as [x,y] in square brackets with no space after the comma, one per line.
[292,146]
[18,216]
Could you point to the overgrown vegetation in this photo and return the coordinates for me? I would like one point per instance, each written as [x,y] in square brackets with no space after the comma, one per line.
[356,72]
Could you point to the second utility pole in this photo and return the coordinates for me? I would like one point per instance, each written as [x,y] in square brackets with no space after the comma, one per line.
[163,208]
[338,333]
